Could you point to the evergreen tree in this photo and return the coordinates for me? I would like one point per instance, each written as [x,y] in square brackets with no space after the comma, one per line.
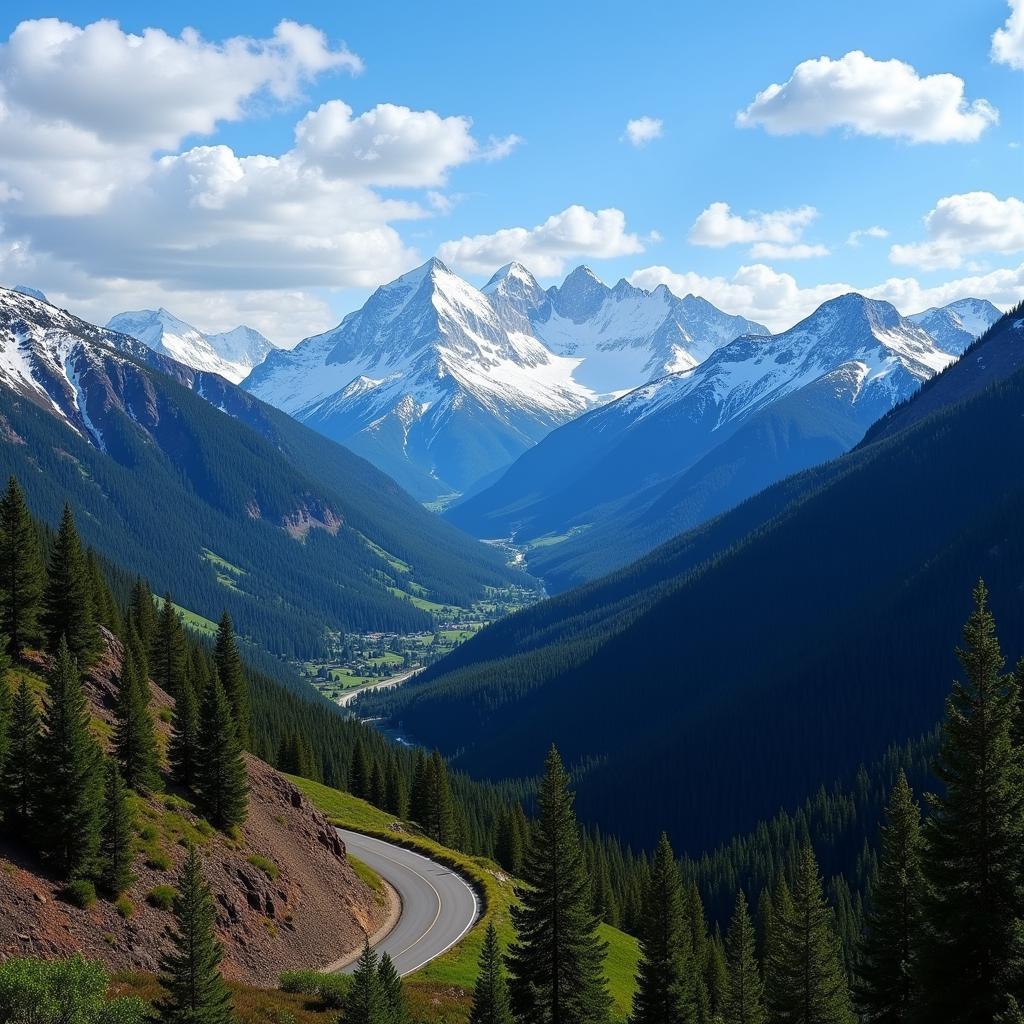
[557,962]
[419,796]
[5,711]
[716,976]
[396,799]
[104,605]
[184,746]
[510,842]
[441,808]
[700,951]
[18,776]
[221,778]
[973,907]
[491,1003]
[68,610]
[391,991]
[196,992]
[365,1002]
[167,656]
[775,960]
[134,737]
[665,977]
[744,1003]
[886,991]
[232,676]
[809,983]
[360,772]
[116,839]
[378,787]
[21,572]
[69,788]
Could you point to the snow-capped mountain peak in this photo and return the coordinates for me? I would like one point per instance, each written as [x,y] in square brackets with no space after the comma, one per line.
[232,354]
[579,296]
[957,324]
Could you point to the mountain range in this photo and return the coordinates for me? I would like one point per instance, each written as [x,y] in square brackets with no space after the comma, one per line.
[618,481]
[781,643]
[443,385]
[232,354]
[202,488]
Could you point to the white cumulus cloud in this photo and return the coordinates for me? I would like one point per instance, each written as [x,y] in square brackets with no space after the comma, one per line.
[963,225]
[779,301]
[870,97]
[772,236]
[854,238]
[642,130]
[575,232]
[1008,41]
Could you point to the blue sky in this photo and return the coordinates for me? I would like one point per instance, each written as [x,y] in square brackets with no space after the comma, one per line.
[112,198]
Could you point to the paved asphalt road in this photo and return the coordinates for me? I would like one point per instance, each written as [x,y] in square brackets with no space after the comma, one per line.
[438,906]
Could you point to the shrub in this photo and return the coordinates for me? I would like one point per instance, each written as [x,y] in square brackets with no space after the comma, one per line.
[158,860]
[329,989]
[55,991]
[80,893]
[124,907]
[268,867]
[162,897]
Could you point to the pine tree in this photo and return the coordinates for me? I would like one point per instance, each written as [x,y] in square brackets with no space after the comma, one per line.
[184,746]
[391,991]
[196,993]
[441,809]
[5,710]
[972,952]
[116,838]
[419,797]
[365,1002]
[775,959]
[359,773]
[167,656]
[378,787]
[886,991]
[491,1003]
[106,610]
[744,1003]
[134,737]
[665,977]
[699,946]
[509,842]
[18,777]
[557,962]
[142,624]
[21,572]
[232,676]
[716,976]
[396,799]
[805,962]
[221,778]
[69,789]
[68,610]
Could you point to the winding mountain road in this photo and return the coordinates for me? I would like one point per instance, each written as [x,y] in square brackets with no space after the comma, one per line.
[438,905]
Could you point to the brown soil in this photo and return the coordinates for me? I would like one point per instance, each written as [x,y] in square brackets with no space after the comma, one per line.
[314,912]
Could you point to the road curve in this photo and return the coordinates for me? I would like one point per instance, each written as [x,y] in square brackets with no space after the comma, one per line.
[438,905]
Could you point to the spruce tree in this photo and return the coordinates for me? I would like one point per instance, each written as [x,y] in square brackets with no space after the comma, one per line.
[19,776]
[699,945]
[196,993]
[557,961]
[511,839]
[776,955]
[68,610]
[491,1003]
[232,677]
[134,736]
[104,605]
[365,1002]
[70,781]
[184,746]
[809,981]
[665,977]
[6,700]
[744,1001]
[441,811]
[972,862]
[886,990]
[168,656]
[359,772]
[391,991]
[419,796]
[21,572]
[116,839]
[221,778]
[396,799]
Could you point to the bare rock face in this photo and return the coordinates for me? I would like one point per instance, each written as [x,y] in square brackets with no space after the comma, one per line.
[285,894]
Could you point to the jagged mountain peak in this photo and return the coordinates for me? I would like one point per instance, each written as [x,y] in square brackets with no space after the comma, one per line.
[580,295]
[34,293]
[955,325]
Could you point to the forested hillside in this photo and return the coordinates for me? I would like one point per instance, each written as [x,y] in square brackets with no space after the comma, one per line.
[802,630]
[250,511]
